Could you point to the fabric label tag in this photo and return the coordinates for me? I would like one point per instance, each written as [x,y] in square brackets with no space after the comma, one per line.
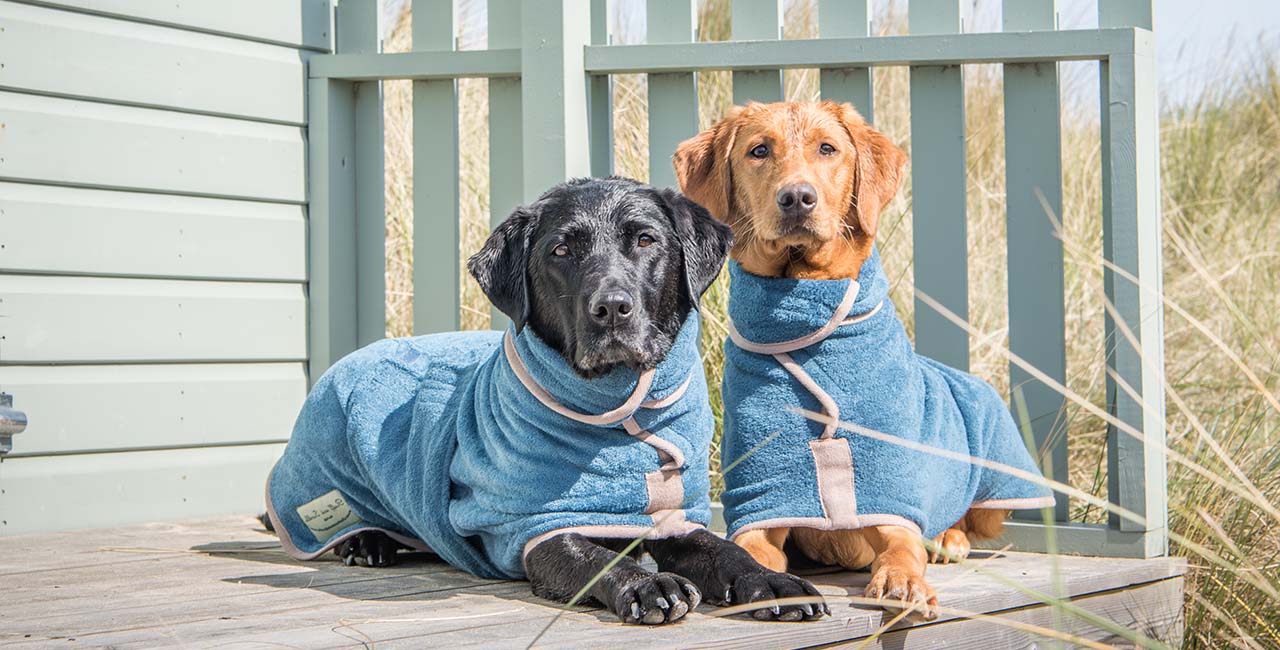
[327,515]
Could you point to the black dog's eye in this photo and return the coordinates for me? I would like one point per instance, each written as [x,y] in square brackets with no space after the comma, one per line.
[645,240]
[560,250]
[826,149]
[760,151]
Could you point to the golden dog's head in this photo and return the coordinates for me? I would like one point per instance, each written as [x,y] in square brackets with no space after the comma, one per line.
[801,184]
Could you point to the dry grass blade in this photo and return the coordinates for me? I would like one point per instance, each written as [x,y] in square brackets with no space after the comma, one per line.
[1241,641]
[1255,495]
[1173,306]
[984,463]
[949,611]
[1098,412]
[1257,581]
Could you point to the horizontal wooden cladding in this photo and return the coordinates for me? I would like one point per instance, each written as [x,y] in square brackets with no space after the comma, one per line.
[69,53]
[66,141]
[52,229]
[64,319]
[94,490]
[303,23]
[97,408]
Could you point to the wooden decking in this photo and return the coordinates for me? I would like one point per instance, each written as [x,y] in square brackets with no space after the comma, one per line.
[225,583]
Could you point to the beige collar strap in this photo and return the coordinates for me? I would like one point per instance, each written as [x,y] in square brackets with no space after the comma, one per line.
[839,318]
[614,416]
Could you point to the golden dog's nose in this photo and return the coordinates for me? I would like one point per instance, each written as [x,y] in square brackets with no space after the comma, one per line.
[797,199]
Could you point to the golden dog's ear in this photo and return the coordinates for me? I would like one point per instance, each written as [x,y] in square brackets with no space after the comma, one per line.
[880,162]
[702,165]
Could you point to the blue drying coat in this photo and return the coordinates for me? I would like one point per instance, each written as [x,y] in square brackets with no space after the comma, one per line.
[478,445]
[837,347]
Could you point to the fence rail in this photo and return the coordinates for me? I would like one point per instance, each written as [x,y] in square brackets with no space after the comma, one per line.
[550,113]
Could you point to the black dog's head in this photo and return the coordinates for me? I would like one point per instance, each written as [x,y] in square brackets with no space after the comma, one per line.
[605,271]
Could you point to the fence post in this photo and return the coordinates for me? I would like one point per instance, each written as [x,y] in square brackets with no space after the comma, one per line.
[846,19]
[1033,172]
[673,98]
[601,98]
[436,232]
[331,231]
[757,20]
[1136,476]
[941,259]
[359,31]
[554,94]
[506,136]
[344,126]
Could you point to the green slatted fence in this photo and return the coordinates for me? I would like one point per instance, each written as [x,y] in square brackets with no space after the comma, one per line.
[549,65]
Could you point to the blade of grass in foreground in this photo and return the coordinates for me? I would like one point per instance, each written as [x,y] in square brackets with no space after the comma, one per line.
[1046,514]
[1047,599]
[950,611]
[1062,488]
[1094,410]
[582,593]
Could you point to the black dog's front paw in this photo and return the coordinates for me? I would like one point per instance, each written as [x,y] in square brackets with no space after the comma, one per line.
[770,586]
[368,548]
[656,599]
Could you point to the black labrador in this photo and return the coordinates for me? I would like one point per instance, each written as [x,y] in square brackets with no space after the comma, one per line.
[606,271]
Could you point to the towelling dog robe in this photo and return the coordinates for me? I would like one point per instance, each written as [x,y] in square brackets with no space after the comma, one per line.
[837,347]
[478,445]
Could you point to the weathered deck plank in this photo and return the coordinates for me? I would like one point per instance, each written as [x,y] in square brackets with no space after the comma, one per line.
[225,583]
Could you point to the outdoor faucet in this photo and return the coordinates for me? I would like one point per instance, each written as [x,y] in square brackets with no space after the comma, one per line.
[11,421]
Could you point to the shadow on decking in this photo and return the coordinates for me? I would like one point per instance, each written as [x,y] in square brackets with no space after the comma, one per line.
[425,577]
[415,577]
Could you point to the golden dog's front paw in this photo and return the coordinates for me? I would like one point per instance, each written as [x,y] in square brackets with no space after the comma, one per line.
[951,546]
[906,589]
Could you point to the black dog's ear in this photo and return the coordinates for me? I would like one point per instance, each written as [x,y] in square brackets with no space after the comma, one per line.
[501,265]
[704,241]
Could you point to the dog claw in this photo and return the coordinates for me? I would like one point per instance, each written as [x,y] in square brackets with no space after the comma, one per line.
[695,596]
[892,588]
[769,587]
[656,599]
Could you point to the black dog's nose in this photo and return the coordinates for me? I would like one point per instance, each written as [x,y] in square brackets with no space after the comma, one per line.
[797,199]
[609,307]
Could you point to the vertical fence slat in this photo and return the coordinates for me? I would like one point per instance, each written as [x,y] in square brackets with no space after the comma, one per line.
[938,198]
[1126,13]
[601,98]
[436,234]
[331,272]
[1136,476]
[506,134]
[846,19]
[1033,172]
[359,31]
[554,94]
[757,20]
[673,98]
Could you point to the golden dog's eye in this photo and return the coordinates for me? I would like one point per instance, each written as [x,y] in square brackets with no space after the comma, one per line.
[826,149]
[560,250]
[646,240]
[760,151]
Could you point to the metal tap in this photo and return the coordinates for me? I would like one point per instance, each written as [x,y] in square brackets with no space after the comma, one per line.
[11,421]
